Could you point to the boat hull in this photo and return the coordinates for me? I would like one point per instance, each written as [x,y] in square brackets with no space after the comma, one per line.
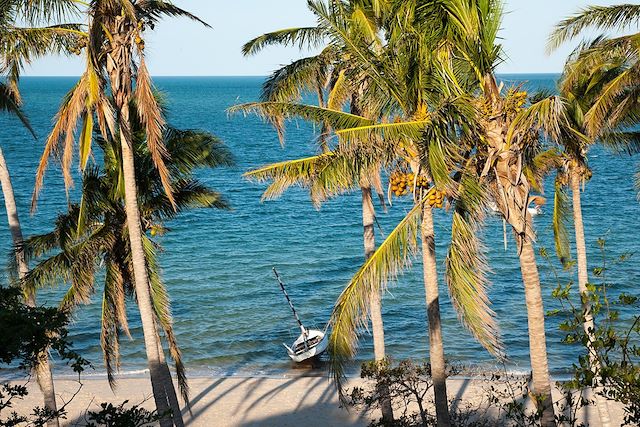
[317,343]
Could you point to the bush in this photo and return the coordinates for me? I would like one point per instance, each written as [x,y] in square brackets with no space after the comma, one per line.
[119,416]
[616,338]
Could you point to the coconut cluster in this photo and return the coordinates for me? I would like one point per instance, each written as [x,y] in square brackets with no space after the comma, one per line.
[435,198]
[402,183]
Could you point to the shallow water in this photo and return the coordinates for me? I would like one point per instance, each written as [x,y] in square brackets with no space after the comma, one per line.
[230,317]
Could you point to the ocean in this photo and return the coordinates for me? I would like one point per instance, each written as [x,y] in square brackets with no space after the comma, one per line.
[230,316]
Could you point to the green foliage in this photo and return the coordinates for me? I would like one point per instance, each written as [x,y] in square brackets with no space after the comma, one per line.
[405,383]
[27,334]
[508,395]
[27,331]
[601,17]
[467,267]
[119,416]
[616,338]
[504,401]
[350,312]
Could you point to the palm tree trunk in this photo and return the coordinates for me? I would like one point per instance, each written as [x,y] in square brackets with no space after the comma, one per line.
[169,388]
[141,278]
[375,306]
[537,338]
[43,369]
[12,217]
[583,279]
[436,348]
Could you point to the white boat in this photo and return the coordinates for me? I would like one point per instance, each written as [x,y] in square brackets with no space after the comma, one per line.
[310,343]
[533,210]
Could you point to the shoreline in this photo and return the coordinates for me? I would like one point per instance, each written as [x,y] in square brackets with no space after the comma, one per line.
[254,401]
[464,373]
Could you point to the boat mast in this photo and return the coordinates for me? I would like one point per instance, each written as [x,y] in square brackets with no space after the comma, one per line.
[286,295]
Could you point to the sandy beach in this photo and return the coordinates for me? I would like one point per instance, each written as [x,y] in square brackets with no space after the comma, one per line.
[252,401]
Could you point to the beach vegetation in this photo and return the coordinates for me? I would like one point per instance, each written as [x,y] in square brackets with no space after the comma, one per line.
[28,334]
[610,360]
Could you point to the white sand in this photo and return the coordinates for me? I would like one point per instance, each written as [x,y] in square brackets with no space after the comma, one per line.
[234,401]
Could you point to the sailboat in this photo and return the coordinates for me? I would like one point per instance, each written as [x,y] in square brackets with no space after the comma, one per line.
[311,342]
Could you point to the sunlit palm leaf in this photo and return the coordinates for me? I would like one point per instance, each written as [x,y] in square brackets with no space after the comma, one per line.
[407,132]
[351,310]
[303,37]
[283,110]
[560,217]
[600,17]
[466,267]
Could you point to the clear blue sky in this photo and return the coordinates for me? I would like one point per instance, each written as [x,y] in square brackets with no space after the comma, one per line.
[179,47]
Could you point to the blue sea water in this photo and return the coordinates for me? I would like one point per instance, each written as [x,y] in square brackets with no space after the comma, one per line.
[230,317]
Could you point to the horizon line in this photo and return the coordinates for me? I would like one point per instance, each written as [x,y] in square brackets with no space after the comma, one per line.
[257,75]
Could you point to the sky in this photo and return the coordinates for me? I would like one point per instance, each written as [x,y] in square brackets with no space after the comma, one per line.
[179,47]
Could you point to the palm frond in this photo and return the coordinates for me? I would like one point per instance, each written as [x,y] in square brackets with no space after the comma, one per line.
[285,174]
[351,310]
[547,115]
[151,116]
[541,166]
[288,83]
[9,103]
[303,37]
[466,267]
[154,10]
[192,149]
[341,90]
[283,110]
[598,116]
[114,317]
[600,17]
[73,105]
[627,142]
[162,310]
[560,218]
[36,11]
[407,132]
[188,194]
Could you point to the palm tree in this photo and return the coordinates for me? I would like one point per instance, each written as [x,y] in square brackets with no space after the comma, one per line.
[116,60]
[500,155]
[93,233]
[326,75]
[576,95]
[497,154]
[390,142]
[19,45]
[616,104]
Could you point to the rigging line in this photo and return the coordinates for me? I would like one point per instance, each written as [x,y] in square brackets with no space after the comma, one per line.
[286,295]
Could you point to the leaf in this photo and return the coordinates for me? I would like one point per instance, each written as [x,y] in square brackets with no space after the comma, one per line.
[304,37]
[601,17]
[467,267]
[350,312]
[560,218]
[85,139]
